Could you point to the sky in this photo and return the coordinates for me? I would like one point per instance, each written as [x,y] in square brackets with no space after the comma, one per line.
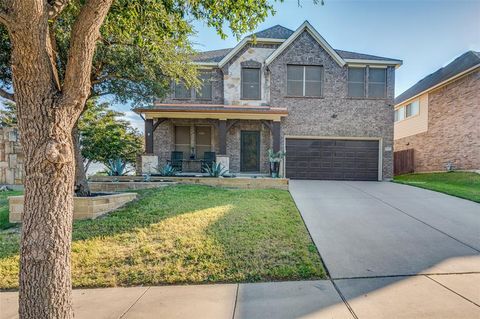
[425,34]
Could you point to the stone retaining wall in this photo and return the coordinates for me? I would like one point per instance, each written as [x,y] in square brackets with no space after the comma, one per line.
[122,183]
[83,207]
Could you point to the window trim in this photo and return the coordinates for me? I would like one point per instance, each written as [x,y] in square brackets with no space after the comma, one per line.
[193,91]
[242,97]
[367,82]
[364,82]
[322,74]
[175,92]
[404,108]
[211,89]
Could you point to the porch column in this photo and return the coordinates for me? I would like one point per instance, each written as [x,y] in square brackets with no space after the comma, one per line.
[149,136]
[222,136]
[276,136]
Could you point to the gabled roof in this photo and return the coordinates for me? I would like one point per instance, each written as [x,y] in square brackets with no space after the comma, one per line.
[275,32]
[306,26]
[461,65]
[285,36]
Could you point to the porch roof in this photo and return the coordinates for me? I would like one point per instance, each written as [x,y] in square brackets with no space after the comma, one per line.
[212,111]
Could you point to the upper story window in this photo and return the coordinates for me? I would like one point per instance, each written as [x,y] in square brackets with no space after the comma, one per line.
[377,82]
[204,92]
[304,80]
[181,91]
[407,111]
[359,84]
[356,82]
[250,84]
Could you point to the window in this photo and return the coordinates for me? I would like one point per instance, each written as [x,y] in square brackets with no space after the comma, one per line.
[407,111]
[250,84]
[412,109]
[399,114]
[203,140]
[205,91]
[181,91]
[304,80]
[377,84]
[182,140]
[356,82]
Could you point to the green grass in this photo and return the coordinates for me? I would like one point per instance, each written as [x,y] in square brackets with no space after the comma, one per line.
[461,184]
[4,224]
[186,234]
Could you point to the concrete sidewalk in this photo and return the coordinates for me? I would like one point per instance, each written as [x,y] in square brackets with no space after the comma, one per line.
[441,296]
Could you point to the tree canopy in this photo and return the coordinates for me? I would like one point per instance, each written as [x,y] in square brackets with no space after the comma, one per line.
[104,136]
[143,44]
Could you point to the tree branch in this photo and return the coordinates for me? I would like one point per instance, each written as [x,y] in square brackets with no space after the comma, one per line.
[6,95]
[4,16]
[85,32]
[56,8]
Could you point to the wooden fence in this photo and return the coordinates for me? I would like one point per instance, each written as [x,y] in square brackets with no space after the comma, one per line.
[403,162]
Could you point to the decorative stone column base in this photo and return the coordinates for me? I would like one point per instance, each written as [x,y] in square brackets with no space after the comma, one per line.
[225,161]
[149,164]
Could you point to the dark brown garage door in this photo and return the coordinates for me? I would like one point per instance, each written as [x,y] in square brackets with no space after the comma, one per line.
[332,159]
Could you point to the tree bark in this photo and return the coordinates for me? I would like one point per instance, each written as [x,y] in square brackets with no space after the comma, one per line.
[46,116]
[81,183]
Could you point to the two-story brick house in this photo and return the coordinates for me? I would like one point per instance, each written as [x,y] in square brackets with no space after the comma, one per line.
[330,110]
[439,117]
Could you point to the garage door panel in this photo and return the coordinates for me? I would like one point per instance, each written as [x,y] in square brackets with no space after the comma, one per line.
[332,159]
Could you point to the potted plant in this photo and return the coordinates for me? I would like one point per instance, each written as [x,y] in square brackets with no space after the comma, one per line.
[275,158]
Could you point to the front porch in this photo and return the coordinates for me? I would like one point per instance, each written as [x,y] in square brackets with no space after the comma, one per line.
[190,136]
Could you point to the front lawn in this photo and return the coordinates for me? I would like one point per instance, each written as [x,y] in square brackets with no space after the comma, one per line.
[186,234]
[461,184]
[4,224]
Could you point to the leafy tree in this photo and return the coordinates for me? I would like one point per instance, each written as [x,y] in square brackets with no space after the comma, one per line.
[8,116]
[51,88]
[105,137]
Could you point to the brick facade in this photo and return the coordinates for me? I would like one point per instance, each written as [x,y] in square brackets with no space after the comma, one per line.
[333,114]
[453,133]
[164,140]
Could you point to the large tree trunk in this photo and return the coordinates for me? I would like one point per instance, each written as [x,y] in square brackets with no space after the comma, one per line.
[46,117]
[81,183]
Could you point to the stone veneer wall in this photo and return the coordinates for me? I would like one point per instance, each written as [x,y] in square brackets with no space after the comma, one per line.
[453,133]
[11,157]
[334,114]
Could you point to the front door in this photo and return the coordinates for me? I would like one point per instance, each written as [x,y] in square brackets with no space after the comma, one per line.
[250,151]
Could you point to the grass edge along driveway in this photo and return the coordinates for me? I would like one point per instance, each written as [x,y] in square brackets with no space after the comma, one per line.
[465,185]
[186,234]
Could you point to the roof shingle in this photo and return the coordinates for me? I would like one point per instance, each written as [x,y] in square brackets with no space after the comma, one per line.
[275,32]
[459,65]
[280,32]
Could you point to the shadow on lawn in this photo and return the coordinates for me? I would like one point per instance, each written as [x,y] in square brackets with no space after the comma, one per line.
[194,234]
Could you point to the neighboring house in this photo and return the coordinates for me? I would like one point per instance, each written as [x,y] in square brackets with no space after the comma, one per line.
[330,110]
[439,117]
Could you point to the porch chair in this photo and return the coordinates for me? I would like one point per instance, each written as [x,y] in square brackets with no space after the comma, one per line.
[208,159]
[176,158]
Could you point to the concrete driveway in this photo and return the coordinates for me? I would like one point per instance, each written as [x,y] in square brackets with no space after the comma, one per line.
[368,229]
